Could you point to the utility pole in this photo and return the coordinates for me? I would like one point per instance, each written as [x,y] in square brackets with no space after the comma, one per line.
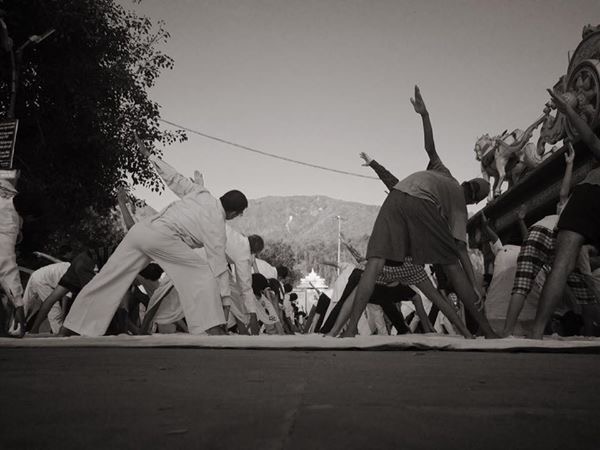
[339,242]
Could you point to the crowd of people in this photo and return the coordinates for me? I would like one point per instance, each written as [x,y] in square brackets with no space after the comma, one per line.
[187,269]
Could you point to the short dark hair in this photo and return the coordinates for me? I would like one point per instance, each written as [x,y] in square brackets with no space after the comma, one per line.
[282,272]
[256,244]
[234,201]
[275,286]
[259,283]
[287,288]
[152,272]
[293,296]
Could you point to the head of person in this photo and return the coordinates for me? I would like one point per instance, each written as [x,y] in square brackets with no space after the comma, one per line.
[475,190]
[259,284]
[282,272]
[256,244]
[293,297]
[234,203]
[275,287]
[152,272]
[287,288]
[65,252]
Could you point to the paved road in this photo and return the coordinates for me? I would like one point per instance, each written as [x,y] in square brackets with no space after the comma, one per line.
[110,398]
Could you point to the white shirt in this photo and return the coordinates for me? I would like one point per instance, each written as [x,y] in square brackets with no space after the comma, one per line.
[237,251]
[198,219]
[266,269]
[42,282]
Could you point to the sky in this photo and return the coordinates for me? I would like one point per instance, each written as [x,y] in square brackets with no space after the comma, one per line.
[321,81]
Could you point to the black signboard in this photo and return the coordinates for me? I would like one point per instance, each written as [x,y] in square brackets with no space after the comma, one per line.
[8,137]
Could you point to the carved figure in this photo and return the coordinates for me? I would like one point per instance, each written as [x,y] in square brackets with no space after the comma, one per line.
[507,156]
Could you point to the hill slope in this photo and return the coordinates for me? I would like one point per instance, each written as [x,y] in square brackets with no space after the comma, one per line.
[309,225]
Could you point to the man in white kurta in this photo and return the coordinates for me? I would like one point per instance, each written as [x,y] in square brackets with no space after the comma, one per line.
[168,238]
[39,287]
[238,253]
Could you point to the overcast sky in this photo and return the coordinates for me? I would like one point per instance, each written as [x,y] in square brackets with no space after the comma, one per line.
[321,81]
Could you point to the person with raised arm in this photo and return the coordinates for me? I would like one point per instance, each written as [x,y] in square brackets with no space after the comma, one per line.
[424,221]
[537,249]
[168,238]
[579,222]
[240,251]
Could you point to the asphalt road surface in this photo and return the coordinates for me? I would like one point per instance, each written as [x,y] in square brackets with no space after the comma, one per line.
[171,398]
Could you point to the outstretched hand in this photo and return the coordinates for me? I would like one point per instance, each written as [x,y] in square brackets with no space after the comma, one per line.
[198,178]
[366,158]
[141,146]
[418,102]
[570,154]
[20,324]
[122,195]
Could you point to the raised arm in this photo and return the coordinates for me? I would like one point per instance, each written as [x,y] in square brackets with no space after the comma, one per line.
[360,259]
[384,175]
[521,214]
[489,232]
[48,257]
[565,186]
[180,185]
[421,109]
[584,131]
[122,201]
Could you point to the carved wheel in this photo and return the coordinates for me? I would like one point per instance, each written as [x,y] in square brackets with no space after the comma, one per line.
[583,92]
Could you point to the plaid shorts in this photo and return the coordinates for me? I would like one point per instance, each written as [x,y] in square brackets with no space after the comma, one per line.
[578,285]
[406,273]
[537,250]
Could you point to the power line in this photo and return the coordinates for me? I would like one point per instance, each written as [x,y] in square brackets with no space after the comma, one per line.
[260,152]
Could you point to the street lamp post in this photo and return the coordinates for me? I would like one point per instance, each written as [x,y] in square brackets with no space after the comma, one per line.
[339,242]
[6,44]
[16,58]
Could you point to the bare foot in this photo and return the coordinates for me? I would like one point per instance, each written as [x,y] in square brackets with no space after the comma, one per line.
[65,332]
[349,333]
[216,331]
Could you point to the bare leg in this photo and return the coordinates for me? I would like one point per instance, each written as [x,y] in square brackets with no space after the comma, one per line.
[445,307]
[568,244]
[468,297]
[254,327]
[420,310]
[343,315]
[241,328]
[217,330]
[149,317]
[364,290]
[517,301]
[64,332]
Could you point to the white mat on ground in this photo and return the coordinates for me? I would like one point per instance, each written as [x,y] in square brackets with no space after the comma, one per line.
[316,342]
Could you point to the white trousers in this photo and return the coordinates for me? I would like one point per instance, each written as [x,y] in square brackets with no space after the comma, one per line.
[9,272]
[196,285]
